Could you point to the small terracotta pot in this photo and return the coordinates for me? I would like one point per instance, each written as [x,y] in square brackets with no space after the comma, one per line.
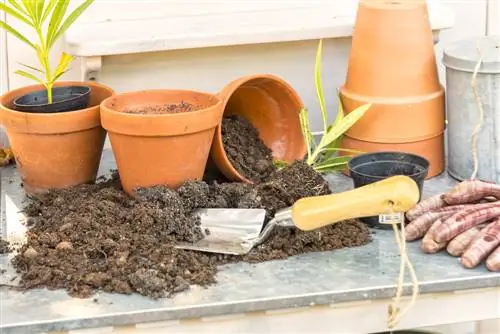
[272,106]
[55,150]
[393,66]
[164,148]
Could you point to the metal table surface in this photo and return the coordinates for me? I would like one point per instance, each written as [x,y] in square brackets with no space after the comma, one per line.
[362,273]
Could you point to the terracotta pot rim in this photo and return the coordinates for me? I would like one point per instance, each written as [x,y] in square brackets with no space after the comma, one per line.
[45,123]
[226,93]
[111,110]
[397,140]
[165,125]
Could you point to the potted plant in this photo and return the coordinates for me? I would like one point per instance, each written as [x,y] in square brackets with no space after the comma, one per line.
[53,127]
[160,137]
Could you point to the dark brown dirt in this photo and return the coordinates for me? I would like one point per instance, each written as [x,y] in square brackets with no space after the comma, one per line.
[163,109]
[4,247]
[95,237]
[246,151]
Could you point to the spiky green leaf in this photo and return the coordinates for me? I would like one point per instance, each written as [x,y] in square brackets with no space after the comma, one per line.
[29,6]
[64,62]
[17,6]
[39,5]
[69,21]
[319,86]
[16,33]
[31,67]
[306,130]
[15,13]
[55,21]
[29,76]
[48,9]
[344,125]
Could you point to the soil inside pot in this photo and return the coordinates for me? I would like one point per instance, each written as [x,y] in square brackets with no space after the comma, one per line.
[245,150]
[96,237]
[173,108]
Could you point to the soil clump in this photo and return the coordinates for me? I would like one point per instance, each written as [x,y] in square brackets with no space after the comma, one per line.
[245,149]
[163,109]
[95,237]
[4,247]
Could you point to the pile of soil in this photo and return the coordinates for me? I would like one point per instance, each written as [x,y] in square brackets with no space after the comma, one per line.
[246,151]
[4,247]
[173,108]
[96,237]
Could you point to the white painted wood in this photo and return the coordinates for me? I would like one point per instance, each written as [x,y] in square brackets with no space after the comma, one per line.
[235,23]
[442,310]
[4,74]
[4,84]
[493,14]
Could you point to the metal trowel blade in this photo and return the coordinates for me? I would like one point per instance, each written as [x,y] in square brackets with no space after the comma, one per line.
[230,231]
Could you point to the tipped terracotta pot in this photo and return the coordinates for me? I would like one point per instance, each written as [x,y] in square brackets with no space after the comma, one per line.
[272,106]
[55,150]
[392,65]
[160,137]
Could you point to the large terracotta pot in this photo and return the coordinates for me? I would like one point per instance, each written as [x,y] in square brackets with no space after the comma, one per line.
[160,148]
[272,106]
[55,150]
[392,65]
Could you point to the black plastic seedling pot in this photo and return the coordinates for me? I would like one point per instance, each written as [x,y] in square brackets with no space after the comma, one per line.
[372,167]
[66,98]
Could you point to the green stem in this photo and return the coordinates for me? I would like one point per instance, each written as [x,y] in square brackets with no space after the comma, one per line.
[45,64]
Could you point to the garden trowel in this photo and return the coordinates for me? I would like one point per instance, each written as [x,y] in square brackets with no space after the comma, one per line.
[237,231]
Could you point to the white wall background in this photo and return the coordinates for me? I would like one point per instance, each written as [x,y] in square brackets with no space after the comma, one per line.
[209,69]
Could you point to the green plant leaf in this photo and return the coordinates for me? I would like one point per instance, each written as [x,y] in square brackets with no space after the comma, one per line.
[319,86]
[31,68]
[16,33]
[38,10]
[56,77]
[333,164]
[55,21]
[70,20]
[29,6]
[29,76]
[306,130]
[16,5]
[48,9]
[62,67]
[14,13]
[344,125]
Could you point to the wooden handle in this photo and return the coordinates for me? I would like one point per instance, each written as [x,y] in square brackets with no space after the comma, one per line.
[399,192]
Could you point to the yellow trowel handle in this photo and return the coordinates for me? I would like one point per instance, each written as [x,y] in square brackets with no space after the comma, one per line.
[397,193]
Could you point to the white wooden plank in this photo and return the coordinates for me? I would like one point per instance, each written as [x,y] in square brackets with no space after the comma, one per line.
[237,24]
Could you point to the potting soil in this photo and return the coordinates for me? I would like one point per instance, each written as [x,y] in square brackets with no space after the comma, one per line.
[93,237]
[173,108]
[246,151]
[4,247]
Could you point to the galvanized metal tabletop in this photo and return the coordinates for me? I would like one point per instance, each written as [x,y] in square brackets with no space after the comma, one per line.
[361,273]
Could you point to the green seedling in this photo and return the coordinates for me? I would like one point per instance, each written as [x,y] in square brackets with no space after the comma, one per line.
[324,156]
[47,19]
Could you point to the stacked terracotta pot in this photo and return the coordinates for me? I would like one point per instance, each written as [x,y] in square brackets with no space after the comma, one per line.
[392,65]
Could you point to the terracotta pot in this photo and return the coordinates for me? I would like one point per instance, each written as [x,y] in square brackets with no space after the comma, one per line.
[392,65]
[272,106]
[163,148]
[55,150]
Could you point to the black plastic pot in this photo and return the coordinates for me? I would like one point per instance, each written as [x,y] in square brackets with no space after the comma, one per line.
[64,99]
[372,167]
